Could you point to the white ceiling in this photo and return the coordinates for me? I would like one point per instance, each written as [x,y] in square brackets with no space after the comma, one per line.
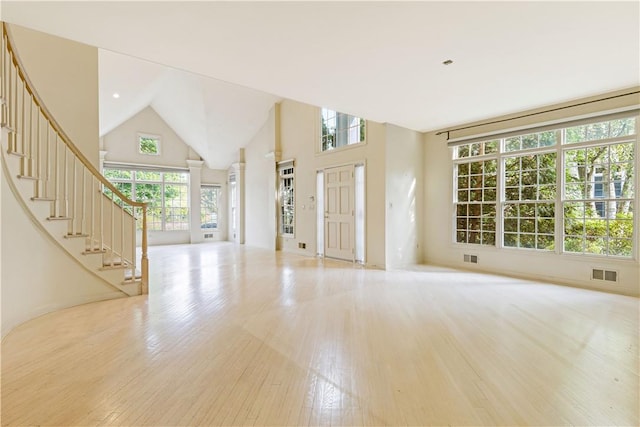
[214,117]
[378,60]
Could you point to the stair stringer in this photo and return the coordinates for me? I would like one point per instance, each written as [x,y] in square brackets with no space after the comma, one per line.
[55,230]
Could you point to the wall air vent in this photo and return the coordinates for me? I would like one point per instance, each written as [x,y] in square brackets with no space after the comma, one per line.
[473,259]
[606,275]
[208,236]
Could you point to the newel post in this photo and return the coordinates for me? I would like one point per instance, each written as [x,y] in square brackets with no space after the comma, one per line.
[144,265]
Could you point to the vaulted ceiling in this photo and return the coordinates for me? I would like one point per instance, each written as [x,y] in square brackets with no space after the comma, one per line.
[379,60]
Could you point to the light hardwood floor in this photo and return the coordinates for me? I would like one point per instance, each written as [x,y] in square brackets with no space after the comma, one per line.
[239,336]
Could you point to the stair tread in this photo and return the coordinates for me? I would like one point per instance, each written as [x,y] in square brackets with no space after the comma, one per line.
[59,218]
[93,251]
[43,199]
[74,236]
[29,177]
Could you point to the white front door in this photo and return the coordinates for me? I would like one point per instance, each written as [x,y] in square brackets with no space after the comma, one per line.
[339,213]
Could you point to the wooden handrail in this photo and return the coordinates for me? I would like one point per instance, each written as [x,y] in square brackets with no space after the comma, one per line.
[65,138]
[27,85]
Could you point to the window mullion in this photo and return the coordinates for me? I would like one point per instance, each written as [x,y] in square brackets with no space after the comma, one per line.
[500,199]
[560,183]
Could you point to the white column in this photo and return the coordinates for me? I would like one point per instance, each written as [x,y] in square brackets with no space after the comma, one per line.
[103,155]
[195,179]
[238,169]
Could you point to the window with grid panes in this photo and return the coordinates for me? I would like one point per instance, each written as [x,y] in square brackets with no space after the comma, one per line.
[287,202]
[340,129]
[165,192]
[476,193]
[530,192]
[599,190]
[595,189]
[209,195]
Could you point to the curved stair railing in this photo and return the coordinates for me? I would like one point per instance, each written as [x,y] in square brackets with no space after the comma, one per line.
[78,194]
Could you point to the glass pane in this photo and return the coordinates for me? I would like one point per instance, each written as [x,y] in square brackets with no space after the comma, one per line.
[491,147]
[545,242]
[149,145]
[546,210]
[488,238]
[546,226]
[208,208]
[510,240]
[601,130]
[148,176]
[490,181]
[149,193]
[512,144]
[621,247]
[463,182]
[176,177]
[511,224]
[527,241]
[489,224]
[116,174]
[463,151]
[573,244]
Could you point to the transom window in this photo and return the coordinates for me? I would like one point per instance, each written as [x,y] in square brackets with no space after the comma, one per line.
[166,192]
[340,129]
[567,190]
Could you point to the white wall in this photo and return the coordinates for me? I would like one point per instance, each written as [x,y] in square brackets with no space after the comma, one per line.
[404,194]
[299,140]
[65,75]
[438,232]
[259,186]
[121,146]
[37,275]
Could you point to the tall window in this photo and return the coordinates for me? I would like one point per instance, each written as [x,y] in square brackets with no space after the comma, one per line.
[529,200]
[166,192]
[567,190]
[287,206]
[599,191]
[209,195]
[339,129]
[476,184]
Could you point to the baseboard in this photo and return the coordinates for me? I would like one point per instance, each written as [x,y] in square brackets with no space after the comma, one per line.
[9,325]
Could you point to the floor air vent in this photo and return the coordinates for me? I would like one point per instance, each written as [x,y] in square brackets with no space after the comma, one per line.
[473,259]
[606,275]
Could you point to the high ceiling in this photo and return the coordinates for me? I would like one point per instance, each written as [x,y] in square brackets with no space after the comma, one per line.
[214,117]
[379,60]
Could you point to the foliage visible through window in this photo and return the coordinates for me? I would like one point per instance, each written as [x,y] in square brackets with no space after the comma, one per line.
[598,199]
[529,194]
[339,129]
[209,207]
[596,189]
[167,195]
[148,144]
[476,202]
[287,207]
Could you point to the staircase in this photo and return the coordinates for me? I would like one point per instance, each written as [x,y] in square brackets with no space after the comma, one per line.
[62,192]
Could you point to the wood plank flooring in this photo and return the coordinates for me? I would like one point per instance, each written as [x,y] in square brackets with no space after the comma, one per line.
[231,335]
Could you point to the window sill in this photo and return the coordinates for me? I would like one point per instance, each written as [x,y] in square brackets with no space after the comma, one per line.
[343,148]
